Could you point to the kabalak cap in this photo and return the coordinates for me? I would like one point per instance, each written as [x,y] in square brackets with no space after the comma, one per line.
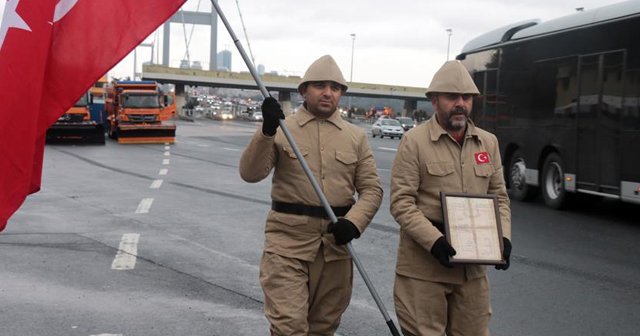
[452,77]
[323,69]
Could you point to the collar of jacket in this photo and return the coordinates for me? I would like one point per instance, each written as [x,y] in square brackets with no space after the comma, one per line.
[303,116]
[437,131]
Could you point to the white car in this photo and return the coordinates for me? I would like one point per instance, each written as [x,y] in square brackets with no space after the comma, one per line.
[256,116]
[387,127]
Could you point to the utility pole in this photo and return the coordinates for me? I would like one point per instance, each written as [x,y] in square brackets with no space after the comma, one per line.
[353,43]
[448,30]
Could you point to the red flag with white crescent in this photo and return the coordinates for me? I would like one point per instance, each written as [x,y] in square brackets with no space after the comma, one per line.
[51,52]
[481,157]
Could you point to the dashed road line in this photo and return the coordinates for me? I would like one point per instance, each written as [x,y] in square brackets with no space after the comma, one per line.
[156,184]
[167,153]
[167,147]
[144,206]
[231,149]
[388,149]
[165,161]
[163,171]
[127,252]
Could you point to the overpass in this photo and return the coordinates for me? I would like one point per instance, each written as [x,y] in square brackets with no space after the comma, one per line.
[284,85]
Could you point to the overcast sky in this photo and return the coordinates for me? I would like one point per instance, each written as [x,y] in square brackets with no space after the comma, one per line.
[400,42]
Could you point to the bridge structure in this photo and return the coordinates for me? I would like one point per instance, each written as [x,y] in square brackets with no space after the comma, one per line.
[284,85]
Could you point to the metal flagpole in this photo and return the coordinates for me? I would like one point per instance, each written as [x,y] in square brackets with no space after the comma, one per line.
[305,167]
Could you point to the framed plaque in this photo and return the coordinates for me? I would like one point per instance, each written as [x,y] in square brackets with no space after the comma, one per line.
[472,227]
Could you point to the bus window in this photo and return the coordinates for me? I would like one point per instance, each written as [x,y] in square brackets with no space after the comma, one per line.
[554,89]
[631,111]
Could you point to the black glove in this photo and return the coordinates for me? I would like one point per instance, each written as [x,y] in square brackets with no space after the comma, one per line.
[506,254]
[343,230]
[271,115]
[441,250]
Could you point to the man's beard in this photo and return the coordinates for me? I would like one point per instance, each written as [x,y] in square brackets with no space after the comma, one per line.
[457,125]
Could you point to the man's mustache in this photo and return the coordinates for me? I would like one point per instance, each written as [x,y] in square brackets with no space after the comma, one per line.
[459,110]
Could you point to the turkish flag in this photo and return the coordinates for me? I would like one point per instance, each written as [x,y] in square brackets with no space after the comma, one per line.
[51,52]
[481,157]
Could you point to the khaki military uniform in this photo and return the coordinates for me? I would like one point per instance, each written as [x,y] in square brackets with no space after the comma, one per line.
[306,277]
[429,161]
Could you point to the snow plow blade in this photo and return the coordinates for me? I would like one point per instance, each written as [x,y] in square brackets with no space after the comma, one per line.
[75,133]
[146,134]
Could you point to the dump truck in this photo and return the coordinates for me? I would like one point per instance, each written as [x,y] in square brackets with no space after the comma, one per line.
[135,113]
[169,104]
[76,125]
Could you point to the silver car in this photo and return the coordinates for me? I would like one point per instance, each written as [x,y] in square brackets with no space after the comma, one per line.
[387,127]
[256,116]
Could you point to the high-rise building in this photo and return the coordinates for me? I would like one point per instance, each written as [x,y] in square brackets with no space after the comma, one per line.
[224,60]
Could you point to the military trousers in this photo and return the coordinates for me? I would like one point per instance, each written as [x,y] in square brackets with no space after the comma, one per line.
[426,308]
[305,298]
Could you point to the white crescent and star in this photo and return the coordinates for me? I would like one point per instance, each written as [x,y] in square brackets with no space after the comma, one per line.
[482,157]
[11,18]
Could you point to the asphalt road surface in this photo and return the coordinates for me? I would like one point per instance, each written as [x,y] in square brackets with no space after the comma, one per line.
[166,240]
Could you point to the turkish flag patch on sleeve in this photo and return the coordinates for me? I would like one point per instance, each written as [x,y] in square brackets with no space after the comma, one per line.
[481,157]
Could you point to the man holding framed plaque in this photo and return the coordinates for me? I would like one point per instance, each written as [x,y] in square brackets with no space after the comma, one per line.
[448,195]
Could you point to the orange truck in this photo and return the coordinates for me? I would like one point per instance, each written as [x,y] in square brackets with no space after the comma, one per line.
[169,101]
[77,125]
[135,113]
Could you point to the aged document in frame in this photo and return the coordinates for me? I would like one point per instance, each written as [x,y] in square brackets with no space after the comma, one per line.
[473,228]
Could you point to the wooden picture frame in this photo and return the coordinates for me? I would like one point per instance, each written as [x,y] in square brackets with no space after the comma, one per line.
[472,228]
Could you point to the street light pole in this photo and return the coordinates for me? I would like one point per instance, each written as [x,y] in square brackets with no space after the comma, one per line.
[448,30]
[353,42]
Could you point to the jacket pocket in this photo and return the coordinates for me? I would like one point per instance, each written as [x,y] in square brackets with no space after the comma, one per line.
[347,158]
[484,170]
[289,151]
[440,168]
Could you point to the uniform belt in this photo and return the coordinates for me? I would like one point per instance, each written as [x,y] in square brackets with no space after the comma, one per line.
[308,210]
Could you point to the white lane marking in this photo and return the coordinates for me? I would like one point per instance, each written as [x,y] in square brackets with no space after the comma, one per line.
[144,205]
[202,145]
[384,169]
[231,149]
[166,143]
[167,153]
[106,335]
[165,161]
[167,147]
[388,149]
[126,257]
[163,171]
[156,184]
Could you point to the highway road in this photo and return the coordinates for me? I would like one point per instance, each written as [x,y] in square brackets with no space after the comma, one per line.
[166,240]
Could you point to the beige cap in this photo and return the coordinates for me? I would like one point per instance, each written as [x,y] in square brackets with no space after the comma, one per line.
[323,69]
[452,77]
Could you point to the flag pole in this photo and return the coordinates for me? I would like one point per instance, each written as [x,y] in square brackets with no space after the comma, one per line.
[305,167]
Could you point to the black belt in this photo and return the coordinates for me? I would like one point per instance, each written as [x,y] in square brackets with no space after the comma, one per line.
[308,210]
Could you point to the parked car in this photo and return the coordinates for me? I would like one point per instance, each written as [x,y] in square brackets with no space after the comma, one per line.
[387,127]
[406,122]
[256,116]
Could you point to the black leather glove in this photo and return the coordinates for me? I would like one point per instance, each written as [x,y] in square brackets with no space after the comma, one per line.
[271,115]
[441,250]
[343,230]
[506,254]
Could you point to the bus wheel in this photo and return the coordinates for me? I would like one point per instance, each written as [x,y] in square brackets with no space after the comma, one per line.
[553,192]
[518,188]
